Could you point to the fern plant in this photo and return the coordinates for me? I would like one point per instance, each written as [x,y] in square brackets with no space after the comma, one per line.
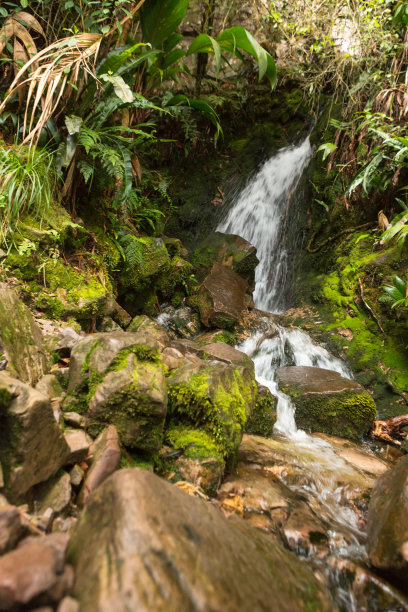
[396,295]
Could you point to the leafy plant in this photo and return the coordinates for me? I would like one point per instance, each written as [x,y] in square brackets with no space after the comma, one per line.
[396,294]
[27,182]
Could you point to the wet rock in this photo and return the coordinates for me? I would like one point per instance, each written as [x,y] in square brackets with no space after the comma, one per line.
[221,298]
[159,543]
[229,250]
[327,402]
[54,494]
[181,322]
[11,528]
[105,452]
[387,524]
[78,442]
[21,341]
[305,534]
[32,447]
[134,399]
[264,415]
[33,570]
[216,397]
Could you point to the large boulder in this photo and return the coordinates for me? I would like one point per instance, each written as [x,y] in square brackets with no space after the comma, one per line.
[229,250]
[221,298]
[21,341]
[145,545]
[327,402]
[32,447]
[387,526]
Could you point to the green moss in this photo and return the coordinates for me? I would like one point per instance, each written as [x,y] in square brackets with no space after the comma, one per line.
[263,417]
[203,445]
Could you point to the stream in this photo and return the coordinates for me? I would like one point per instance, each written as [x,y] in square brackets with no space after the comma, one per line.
[261,214]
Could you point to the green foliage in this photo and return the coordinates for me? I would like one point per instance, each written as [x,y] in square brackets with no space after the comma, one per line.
[396,294]
[160,18]
[27,182]
[398,228]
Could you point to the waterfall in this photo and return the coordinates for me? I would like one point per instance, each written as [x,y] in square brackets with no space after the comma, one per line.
[261,215]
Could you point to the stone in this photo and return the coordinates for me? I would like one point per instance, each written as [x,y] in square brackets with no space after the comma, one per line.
[75,419]
[76,475]
[118,314]
[11,528]
[32,570]
[32,447]
[78,442]
[192,456]
[68,604]
[221,298]
[263,417]
[387,522]
[66,340]
[215,397]
[105,452]
[229,250]
[182,322]
[49,385]
[93,355]
[134,399]
[54,494]
[158,544]
[144,324]
[228,354]
[21,341]
[305,534]
[327,402]
[107,324]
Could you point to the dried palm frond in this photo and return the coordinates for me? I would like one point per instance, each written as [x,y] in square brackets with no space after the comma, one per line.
[53,71]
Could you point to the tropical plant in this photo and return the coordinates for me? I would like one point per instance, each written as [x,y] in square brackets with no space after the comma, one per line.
[27,183]
[396,294]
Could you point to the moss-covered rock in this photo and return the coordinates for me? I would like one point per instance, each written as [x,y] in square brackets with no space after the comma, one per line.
[154,257]
[264,415]
[326,402]
[216,397]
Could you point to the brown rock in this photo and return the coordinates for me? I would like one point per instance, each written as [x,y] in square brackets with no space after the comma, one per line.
[221,298]
[32,570]
[68,604]
[105,453]
[169,551]
[387,524]
[78,442]
[11,529]
[55,494]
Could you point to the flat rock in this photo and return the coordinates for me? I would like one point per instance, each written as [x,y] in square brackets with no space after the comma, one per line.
[21,340]
[32,447]
[158,544]
[327,402]
[78,442]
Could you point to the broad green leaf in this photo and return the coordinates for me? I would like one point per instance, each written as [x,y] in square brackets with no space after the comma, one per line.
[237,38]
[122,89]
[160,18]
[327,148]
[172,41]
[173,57]
[206,44]
[117,58]
[73,124]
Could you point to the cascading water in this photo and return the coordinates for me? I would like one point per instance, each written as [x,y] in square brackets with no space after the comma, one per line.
[261,215]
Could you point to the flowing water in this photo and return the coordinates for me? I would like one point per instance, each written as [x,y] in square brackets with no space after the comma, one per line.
[261,214]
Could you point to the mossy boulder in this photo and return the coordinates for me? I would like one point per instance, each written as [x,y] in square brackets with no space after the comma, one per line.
[264,415]
[118,379]
[228,250]
[327,402]
[21,341]
[196,458]
[153,258]
[32,447]
[132,396]
[219,335]
[144,324]
[215,397]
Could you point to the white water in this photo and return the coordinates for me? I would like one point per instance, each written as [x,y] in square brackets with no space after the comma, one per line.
[260,215]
